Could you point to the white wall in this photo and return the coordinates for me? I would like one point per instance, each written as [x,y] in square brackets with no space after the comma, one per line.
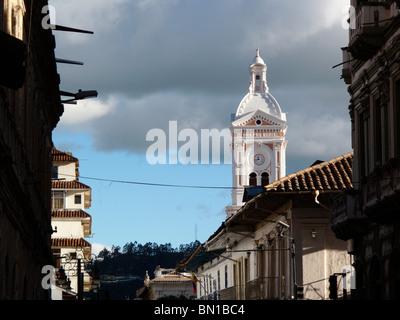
[66,171]
[70,200]
[67,228]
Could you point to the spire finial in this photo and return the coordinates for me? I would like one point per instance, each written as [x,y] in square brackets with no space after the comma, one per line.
[257,52]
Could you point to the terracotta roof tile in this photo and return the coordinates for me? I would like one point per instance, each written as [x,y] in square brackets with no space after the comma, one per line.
[70,214]
[171,279]
[74,184]
[69,242]
[58,155]
[335,174]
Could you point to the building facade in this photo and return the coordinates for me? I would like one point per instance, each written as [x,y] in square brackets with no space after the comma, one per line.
[71,224]
[368,217]
[276,242]
[258,137]
[30,109]
[167,283]
[279,245]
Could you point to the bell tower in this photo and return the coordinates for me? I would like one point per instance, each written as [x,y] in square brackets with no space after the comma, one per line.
[258,138]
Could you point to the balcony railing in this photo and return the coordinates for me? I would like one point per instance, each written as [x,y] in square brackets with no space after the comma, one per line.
[381,192]
[367,36]
[263,288]
[347,218]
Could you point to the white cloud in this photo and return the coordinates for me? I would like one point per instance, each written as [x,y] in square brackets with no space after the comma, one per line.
[86,111]
[98,247]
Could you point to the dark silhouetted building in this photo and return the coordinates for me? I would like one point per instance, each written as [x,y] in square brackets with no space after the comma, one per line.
[30,108]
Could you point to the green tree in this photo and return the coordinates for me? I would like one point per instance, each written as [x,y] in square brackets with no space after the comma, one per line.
[104,254]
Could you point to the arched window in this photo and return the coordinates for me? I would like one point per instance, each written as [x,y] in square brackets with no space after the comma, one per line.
[264,179]
[253,179]
[258,85]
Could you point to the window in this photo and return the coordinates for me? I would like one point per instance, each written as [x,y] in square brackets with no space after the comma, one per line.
[226,276]
[381,132]
[78,199]
[246,270]
[234,275]
[396,125]
[218,281]
[57,198]
[13,22]
[264,179]
[363,143]
[57,256]
[200,293]
[54,172]
[72,255]
[385,133]
[253,179]
[378,132]
[258,86]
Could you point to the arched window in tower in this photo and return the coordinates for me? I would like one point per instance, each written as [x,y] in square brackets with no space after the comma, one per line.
[258,87]
[264,179]
[253,179]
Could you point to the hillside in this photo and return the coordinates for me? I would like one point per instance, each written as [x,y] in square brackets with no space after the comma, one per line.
[122,273]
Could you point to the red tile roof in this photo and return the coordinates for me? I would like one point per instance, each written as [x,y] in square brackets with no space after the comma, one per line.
[171,279]
[69,242]
[74,184]
[335,174]
[70,214]
[58,155]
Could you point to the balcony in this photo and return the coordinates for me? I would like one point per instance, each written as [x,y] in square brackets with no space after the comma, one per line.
[229,293]
[347,219]
[263,288]
[368,35]
[346,69]
[381,192]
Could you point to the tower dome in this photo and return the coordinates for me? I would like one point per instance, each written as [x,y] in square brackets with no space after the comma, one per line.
[258,97]
[257,59]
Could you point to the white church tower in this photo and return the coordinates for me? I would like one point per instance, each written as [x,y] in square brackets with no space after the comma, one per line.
[258,137]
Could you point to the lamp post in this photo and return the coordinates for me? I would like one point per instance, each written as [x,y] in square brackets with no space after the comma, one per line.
[72,267]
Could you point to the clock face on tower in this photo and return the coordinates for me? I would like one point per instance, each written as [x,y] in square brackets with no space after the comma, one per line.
[259,159]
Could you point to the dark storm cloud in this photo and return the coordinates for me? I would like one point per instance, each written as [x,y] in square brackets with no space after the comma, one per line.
[149,46]
[155,61]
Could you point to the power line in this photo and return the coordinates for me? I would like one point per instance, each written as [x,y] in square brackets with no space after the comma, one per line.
[167,185]
[151,184]
[163,184]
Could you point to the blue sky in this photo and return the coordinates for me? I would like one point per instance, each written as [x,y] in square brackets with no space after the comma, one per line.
[124,212]
[155,61]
